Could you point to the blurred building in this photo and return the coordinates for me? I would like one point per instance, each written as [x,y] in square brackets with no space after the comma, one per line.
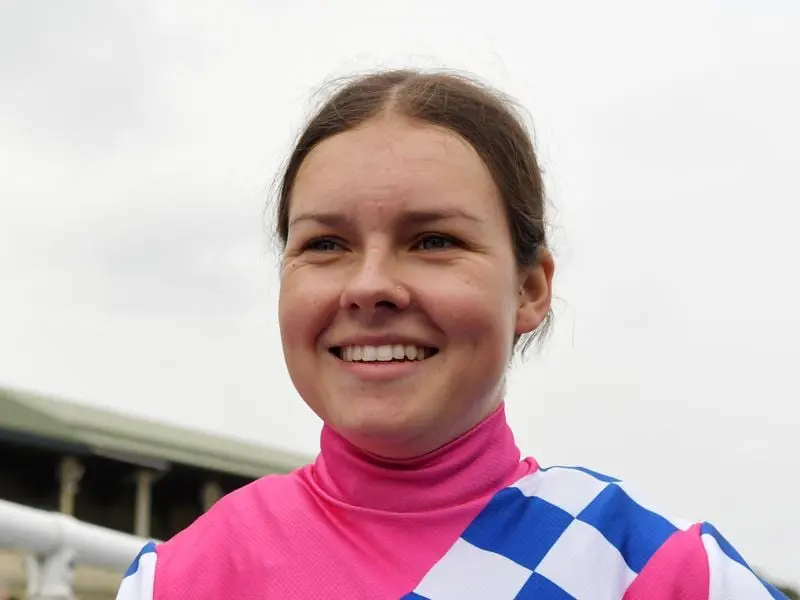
[116,471]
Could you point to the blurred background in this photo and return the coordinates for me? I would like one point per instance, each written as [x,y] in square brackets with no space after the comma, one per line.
[141,373]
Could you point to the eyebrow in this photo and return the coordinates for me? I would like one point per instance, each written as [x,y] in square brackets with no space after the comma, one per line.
[416,217]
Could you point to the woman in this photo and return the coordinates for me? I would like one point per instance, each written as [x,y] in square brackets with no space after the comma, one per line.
[415,262]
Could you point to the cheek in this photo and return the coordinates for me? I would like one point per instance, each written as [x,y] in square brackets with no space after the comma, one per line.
[476,308]
[302,306]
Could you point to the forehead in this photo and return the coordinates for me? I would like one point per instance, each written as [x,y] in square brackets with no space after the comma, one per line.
[393,163]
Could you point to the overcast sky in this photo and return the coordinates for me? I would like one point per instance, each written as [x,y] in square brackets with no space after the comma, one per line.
[138,141]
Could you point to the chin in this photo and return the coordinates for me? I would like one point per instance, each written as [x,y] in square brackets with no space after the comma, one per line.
[380,430]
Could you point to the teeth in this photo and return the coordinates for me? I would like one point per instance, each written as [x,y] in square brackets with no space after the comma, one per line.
[384,353]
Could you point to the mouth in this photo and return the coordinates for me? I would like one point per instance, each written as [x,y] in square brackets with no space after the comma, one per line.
[388,353]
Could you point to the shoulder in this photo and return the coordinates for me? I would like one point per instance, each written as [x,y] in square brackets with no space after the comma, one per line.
[594,530]
[205,548]
[230,513]
[232,528]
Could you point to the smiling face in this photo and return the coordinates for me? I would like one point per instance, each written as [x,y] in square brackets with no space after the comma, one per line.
[400,297]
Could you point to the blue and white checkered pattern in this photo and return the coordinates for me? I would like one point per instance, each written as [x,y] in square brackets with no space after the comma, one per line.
[559,533]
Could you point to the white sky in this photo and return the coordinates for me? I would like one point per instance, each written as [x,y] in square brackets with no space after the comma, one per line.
[137,141]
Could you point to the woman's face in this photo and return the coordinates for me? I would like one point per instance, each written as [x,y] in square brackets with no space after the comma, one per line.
[400,297]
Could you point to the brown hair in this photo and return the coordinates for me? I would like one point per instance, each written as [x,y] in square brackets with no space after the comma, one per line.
[483,116]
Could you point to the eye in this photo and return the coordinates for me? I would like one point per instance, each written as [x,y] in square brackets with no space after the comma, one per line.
[323,245]
[436,242]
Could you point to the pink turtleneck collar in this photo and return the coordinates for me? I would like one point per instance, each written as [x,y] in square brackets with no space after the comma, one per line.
[469,468]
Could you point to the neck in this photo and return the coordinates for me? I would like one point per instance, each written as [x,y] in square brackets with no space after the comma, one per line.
[473,465]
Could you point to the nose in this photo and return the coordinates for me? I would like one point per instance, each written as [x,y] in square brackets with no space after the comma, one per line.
[373,288]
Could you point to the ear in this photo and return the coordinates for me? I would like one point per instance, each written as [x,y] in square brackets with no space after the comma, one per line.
[535,293]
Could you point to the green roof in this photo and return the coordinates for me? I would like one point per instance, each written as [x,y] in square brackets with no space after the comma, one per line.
[104,432]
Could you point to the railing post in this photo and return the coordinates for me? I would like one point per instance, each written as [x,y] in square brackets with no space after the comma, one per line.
[51,576]
[70,472]
[210,494]
[144,491]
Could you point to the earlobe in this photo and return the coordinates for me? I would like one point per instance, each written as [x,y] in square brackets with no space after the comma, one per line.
[535,293]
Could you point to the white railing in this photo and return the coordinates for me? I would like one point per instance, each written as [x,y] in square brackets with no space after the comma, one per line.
[56,542]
